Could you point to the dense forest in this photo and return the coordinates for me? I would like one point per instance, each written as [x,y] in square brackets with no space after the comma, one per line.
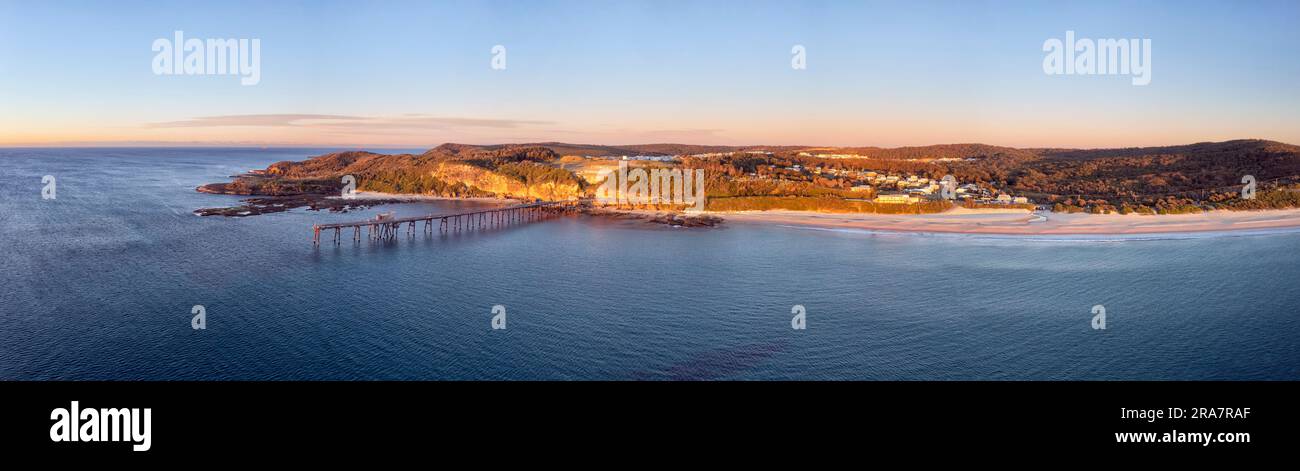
[1163,179]
[1153,180]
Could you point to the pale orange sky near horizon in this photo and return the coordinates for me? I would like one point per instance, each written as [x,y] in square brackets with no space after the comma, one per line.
[407,131]
[884,74]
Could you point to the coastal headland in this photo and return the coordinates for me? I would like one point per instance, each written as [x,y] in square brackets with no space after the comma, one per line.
[956,188]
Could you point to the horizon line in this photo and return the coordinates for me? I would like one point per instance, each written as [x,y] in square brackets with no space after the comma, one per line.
[164,145]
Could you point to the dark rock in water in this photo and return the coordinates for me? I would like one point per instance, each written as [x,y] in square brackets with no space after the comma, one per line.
[668,219]
[683,220]
[276,204]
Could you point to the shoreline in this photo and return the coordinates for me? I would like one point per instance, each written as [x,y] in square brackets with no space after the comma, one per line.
[375,195]
[255,205]
[1027,223]
[986,221]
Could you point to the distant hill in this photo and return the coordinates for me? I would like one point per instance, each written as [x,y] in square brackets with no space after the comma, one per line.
[1235,147]
[940,151]
[560,148]
[934,151]
[596,150]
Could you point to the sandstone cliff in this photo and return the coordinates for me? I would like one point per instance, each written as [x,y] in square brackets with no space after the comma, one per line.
[451,170]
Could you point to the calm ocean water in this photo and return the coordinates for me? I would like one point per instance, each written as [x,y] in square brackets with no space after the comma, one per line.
[99,284]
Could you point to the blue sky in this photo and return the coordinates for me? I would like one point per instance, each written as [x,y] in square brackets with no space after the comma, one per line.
[418,73]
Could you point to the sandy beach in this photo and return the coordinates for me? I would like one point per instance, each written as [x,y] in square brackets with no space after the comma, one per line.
[984,221]
[1023,222]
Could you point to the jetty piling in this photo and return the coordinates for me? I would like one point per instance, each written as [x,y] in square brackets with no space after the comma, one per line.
[383,229]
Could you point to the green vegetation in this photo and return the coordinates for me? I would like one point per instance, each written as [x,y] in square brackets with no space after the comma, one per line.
[532,173]
[821,204]
[1153,180]
[977,205]
[415,183]
[1274,199]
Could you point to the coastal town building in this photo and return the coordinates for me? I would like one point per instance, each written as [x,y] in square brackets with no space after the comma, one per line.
[900,187]
[894,198]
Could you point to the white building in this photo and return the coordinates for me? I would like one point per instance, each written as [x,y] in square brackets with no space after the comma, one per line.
[896,199]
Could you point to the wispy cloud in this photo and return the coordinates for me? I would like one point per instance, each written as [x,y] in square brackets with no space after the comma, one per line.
[399,130]
[343,123]
[251,120]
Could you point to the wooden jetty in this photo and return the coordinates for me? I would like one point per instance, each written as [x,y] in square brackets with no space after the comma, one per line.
[387,227]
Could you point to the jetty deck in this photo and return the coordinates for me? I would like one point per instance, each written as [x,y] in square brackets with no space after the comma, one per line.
[387,228]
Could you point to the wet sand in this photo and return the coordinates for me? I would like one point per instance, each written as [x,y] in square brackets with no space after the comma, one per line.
[1024,222]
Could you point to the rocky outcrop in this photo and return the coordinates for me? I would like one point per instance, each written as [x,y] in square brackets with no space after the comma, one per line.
[450,170]
[503,185]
